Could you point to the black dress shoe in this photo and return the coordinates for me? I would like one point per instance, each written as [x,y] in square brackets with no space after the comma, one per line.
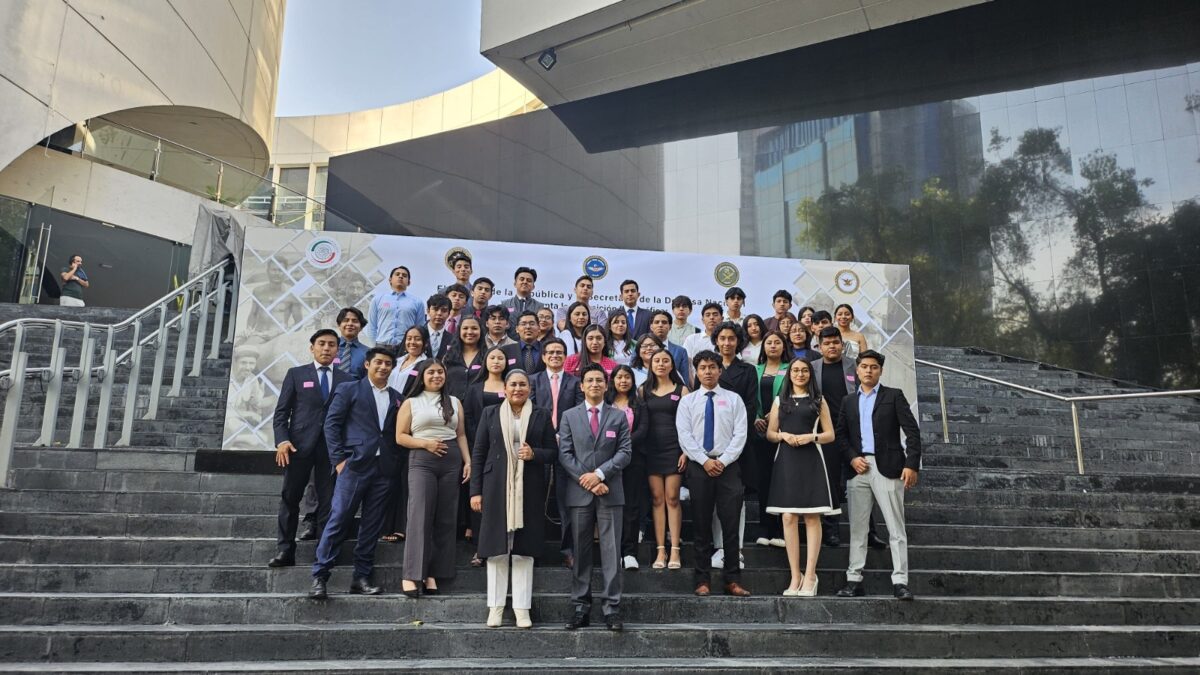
[309,533]
[282,560]
[901,592]
[362,586]
[581,619]
[852,589]
[613,621]
[831,540]
[318,592]
[874,541]
[413,593]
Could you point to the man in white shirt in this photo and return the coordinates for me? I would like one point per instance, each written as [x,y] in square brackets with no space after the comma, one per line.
[698,342]
[735,300]
[711,424]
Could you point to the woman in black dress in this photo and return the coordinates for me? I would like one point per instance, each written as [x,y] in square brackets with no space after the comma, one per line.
[486,389]
[665,460]
[623,396]
[800,482]
[772,373]
[464,361]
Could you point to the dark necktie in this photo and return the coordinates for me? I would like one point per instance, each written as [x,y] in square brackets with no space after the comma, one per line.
[344,357]
[710,422]
[629,328]
[528,349]
[324,383]
[595,422]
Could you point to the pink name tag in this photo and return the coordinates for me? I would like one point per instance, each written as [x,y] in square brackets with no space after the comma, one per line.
[674,397]
[336,360]
[475,367]
[610,434]
[849,378]
[501,394]
[511,361]
[413,371]
[309,385]
[510,310]
[722,404]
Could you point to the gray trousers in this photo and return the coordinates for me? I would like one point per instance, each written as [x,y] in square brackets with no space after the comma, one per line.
[584,520]
[432,514]
[862,492]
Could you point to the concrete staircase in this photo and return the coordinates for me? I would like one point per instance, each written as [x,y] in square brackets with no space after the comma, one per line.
[129,559]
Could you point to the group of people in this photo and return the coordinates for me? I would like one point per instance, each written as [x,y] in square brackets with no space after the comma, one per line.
[469,418]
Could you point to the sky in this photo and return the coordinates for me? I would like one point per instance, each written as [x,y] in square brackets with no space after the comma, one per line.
[346,55]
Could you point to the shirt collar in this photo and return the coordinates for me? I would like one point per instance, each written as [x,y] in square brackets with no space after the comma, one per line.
[863,392]
[318,366]
[342,341]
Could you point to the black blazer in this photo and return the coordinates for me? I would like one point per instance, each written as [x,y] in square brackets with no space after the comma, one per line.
[460,374]
[742,379]
[569,393]
[489,473]
[300,411]
[517,360]
[890,416]
[448,339]
[352,428]
[641,320]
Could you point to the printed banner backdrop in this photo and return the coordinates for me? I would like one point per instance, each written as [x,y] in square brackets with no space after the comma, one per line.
[294,282]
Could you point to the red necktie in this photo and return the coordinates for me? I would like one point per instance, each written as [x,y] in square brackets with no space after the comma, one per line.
[554,399]
[595,422]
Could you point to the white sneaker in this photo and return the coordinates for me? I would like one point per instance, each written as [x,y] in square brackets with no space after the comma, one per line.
[684,495]
[763,541]
[631,562]
[718,559]
[777,543]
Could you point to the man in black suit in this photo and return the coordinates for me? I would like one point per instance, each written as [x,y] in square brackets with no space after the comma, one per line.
[637,317]
[871,421]
[557,391]
[526,353]
[300,440]
[360,430]
[438,338]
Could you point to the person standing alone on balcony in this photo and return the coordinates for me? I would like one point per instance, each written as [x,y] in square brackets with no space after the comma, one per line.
[74,281]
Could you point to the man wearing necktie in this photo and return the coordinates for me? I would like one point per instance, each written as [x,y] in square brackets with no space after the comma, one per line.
[557,391]
[351,355]
[526,353]
[522,301]
[638,319]
[438,338]
[711,423]
[300,440]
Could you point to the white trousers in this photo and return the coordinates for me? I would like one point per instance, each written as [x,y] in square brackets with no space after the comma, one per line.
[862,492]
[522,581]
[67,301]
[718,535]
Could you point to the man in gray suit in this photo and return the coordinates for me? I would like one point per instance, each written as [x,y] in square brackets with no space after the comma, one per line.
[594,446]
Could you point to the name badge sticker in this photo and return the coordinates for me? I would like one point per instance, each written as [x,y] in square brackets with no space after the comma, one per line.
[336,360]
[511,361]
[500,394]
[610,434]
[412,372]
[849,378]
[475,367]
[309,385]
[722,404]
[674,397]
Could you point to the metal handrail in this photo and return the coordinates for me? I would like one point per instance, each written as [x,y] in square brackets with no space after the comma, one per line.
[210,292]
[1073,400]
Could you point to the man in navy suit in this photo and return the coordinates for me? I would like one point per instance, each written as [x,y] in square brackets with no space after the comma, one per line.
[557,391]
[637,317]
[594,447]
[360,430]
[438,338]
[300,439]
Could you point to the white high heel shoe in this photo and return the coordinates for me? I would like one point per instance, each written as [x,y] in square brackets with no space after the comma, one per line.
[495,617]
[523,620]
[809,594]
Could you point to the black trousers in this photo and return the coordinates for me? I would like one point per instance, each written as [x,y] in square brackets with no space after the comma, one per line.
[636,487]
[295,477]
[769,524]
[725,493]
[395,509]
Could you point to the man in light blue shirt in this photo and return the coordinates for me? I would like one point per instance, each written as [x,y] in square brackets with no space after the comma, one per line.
[866,427]
[394,311]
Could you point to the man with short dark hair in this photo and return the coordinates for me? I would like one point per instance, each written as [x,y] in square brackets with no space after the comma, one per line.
[394,311]
[460,266]
[681,330]
[710,315]
[735,300]
[522,300]
[711,423]
[360,430]
[74,281]
[527,350]
[638,318]
[821,320]
[557,391]
[438,339]
[458,295]
[481,295]
[352,354]
[584,289]
[871,422]
[300,447]
[741,378]
[496,325]
[781,302]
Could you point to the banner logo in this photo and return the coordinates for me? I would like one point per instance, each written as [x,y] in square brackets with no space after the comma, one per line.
[847,281]
[453,254]
[726,274]
[323,253]
[595,267]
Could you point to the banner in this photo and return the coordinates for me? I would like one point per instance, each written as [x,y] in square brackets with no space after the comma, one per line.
[294,282]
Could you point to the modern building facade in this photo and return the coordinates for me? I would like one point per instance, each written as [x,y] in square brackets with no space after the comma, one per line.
[1037,164]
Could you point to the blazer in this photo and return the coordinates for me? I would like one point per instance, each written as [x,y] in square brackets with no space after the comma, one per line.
[569,393]
[740,378]
[489,474]
[459,374]
[848,370]
[580,453]
[352,428]
[448,339]
[515,359]
[890,416]
[532,305]
[764,407]
[641,320]
[683,364]
[300,411]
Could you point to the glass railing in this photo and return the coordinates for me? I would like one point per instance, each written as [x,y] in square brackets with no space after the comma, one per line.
[164,161]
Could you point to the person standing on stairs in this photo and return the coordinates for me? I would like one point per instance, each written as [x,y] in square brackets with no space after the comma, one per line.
[871,421]
[300,448]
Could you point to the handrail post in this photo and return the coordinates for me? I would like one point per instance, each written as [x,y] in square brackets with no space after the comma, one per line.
[154,168]
[160,362]
[214,350]
[106,387]
[12,403]
[1078,442]
[82,388]
[942,398]
[201,325]
[234,286]
[220,180]
[135,370]
[58,359]
[185,316]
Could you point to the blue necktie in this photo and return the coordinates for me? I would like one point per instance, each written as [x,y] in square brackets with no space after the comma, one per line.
[344,357]
[710,422]
[324,384]
[629,328]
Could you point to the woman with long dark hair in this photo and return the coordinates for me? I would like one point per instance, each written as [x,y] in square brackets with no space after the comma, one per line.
[579,317]
[665,460]
[644,348]
[800,486]
[464,361]
[756,330]
[854,341]
[514,444]
[594,350]
[486,389]
[772,373]
[413,347]
[622,395]
[430,425]
[620,342]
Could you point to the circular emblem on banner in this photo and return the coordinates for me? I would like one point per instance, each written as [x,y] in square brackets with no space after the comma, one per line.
[726,274]
[452,255]
[323,253]
[847,281]
[595,267]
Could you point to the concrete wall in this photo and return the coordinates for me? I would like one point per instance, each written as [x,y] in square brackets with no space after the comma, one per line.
[64,61]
